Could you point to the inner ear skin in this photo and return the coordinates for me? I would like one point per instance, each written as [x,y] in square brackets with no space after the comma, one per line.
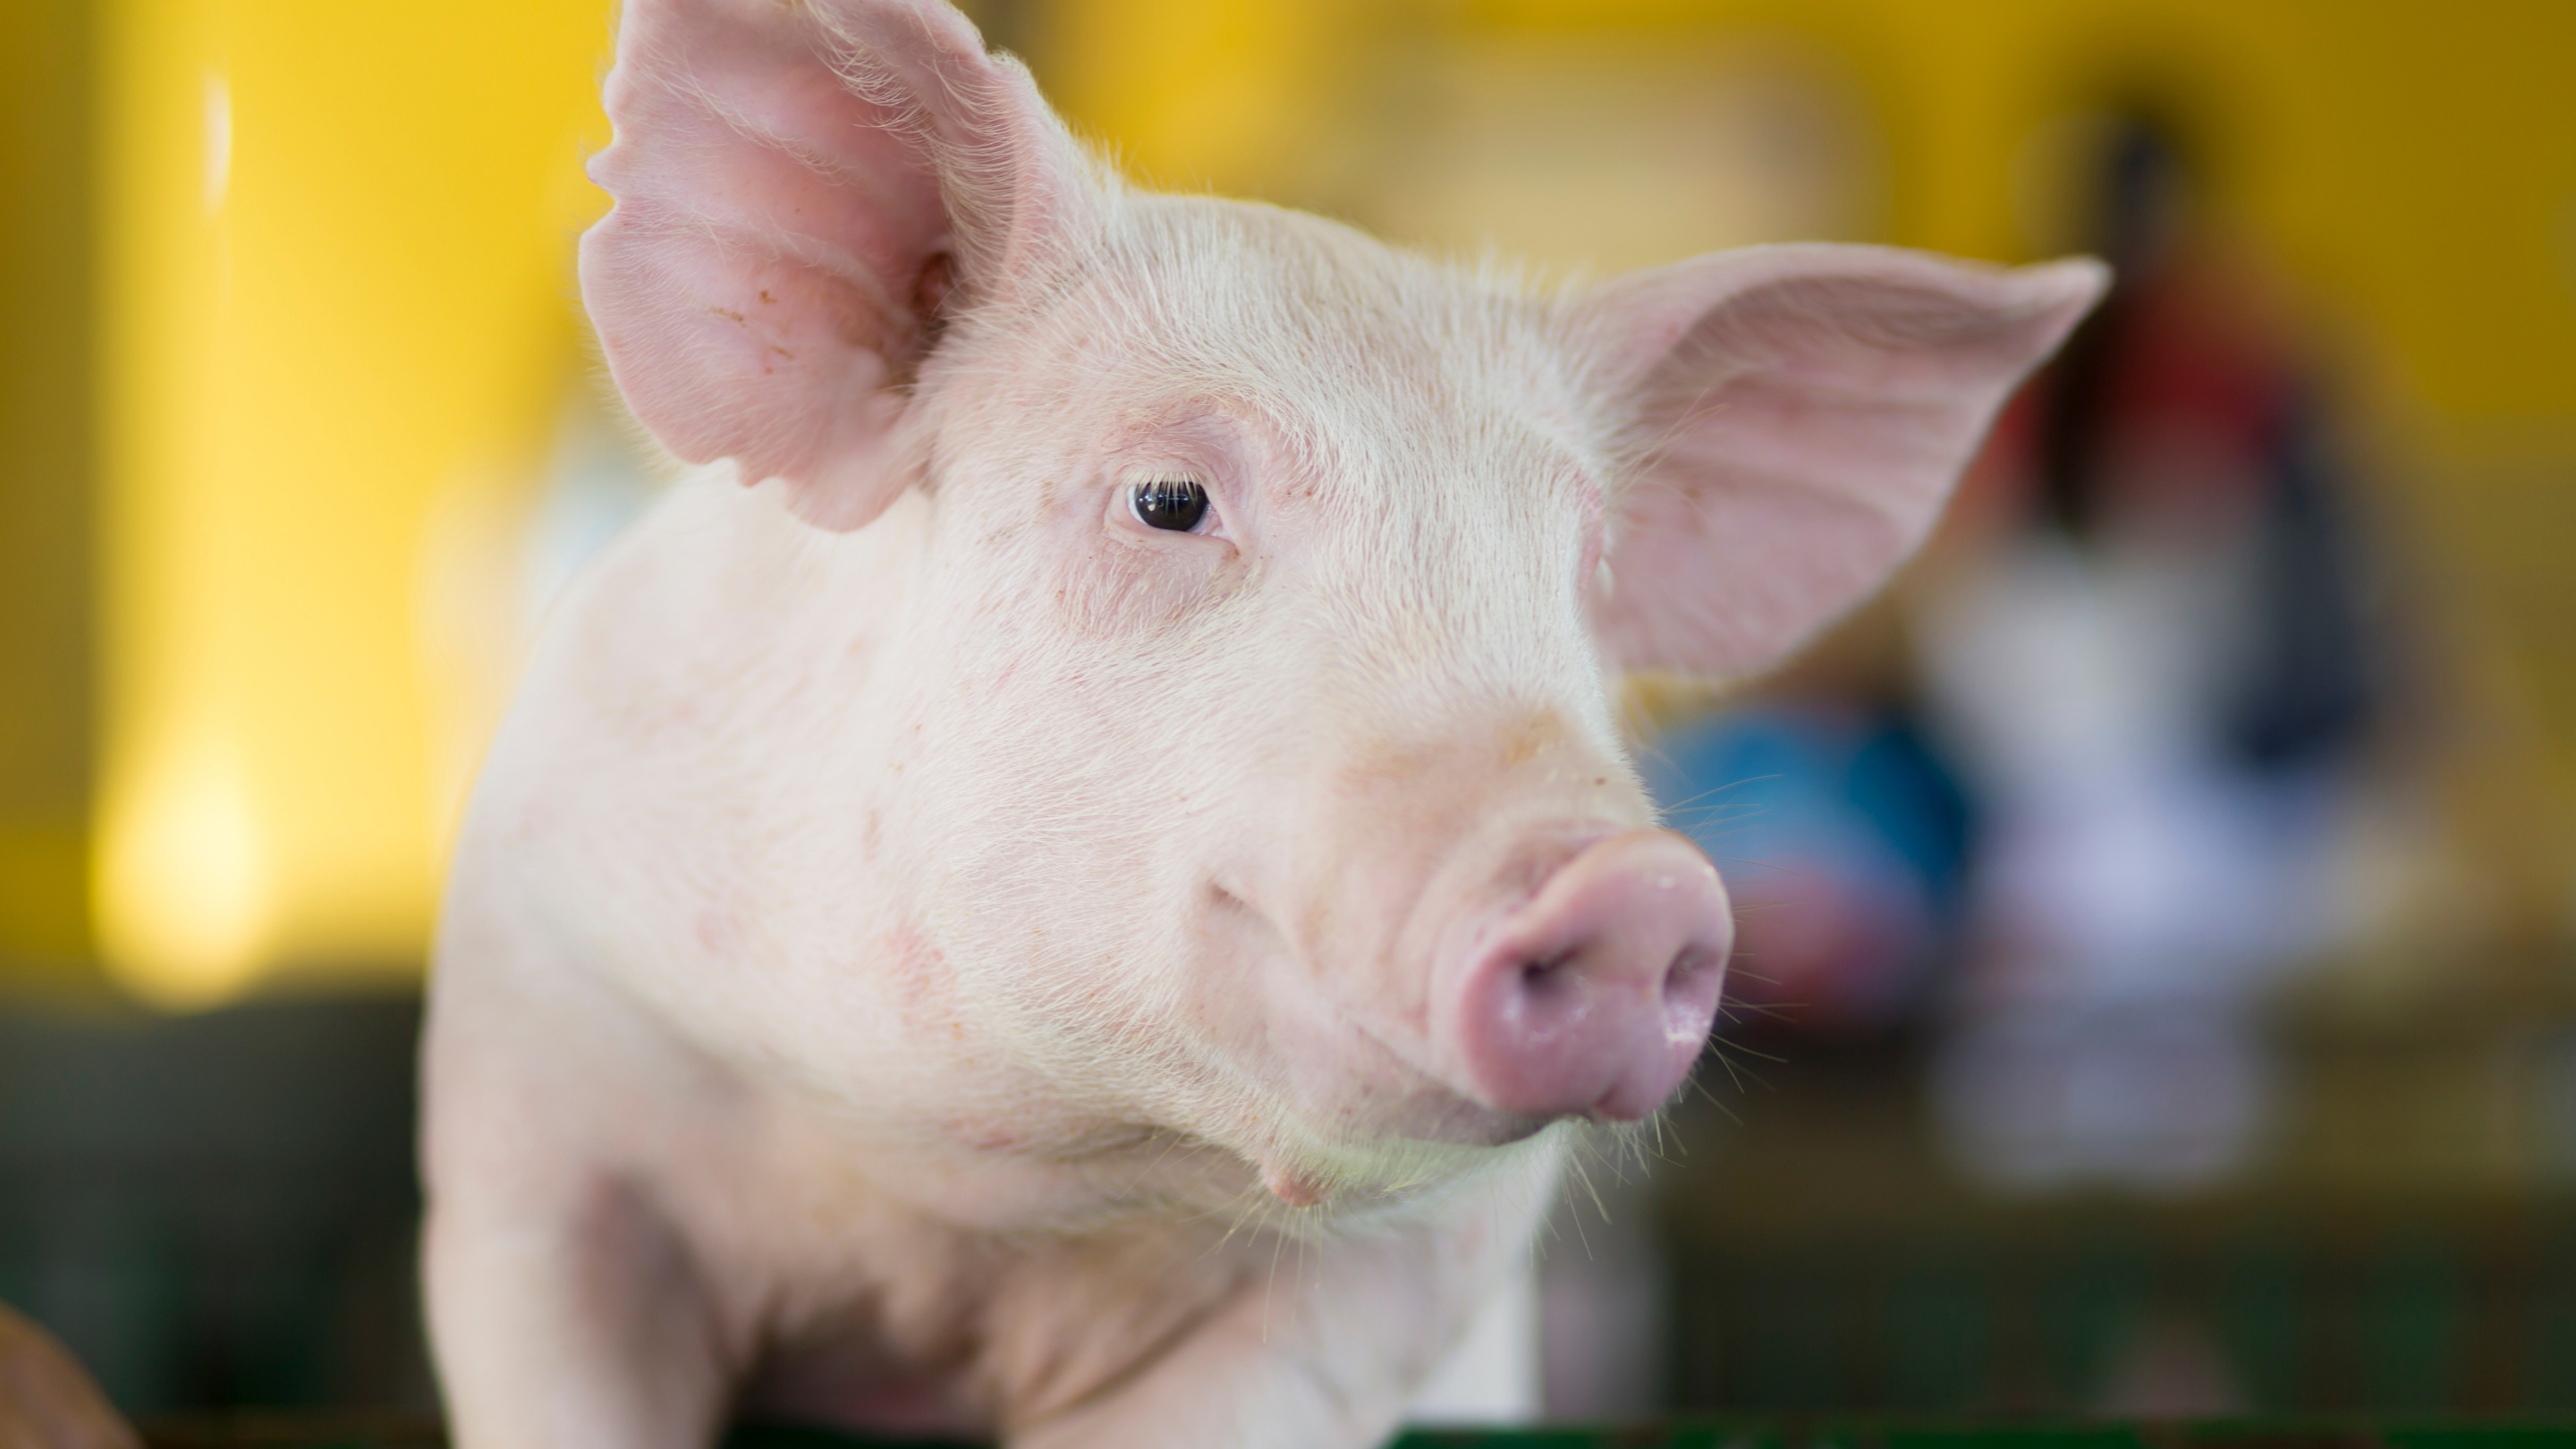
[931,287]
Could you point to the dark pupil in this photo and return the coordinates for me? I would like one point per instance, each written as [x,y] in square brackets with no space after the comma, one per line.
[1177,504]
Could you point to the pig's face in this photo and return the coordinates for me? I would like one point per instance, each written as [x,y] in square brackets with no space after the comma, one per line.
[1214,803]
[1259,778]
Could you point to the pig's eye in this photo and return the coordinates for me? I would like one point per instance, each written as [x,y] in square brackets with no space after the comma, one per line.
[1173,503]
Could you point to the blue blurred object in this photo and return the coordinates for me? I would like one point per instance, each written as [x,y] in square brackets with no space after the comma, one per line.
[1845,839]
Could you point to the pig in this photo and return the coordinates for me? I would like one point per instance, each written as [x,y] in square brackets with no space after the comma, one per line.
[1079,878]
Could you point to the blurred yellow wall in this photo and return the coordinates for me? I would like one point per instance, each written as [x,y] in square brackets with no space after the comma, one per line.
[332,326]
[45,488]
[2416,165]
[335,292]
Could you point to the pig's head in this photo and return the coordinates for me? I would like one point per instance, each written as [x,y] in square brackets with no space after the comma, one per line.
[1245,752]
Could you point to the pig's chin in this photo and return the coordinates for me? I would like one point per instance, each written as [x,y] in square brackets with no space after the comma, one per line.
[1414,1151]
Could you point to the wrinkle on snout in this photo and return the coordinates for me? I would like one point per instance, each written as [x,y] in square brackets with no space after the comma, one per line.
[1383,761]
[1532,734]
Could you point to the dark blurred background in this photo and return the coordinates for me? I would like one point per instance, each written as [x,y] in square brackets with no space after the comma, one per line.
[2158,984]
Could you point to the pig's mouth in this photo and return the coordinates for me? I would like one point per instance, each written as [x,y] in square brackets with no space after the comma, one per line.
[1381,1131]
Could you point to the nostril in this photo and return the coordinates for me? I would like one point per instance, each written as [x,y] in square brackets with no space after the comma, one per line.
[1689,971]
[1551,989]
[1691,989]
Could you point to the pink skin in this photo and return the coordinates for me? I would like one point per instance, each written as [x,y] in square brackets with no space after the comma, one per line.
[1595,997]
[933,950]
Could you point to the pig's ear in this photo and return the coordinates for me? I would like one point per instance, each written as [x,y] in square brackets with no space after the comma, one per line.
[1794,418]
[806,191]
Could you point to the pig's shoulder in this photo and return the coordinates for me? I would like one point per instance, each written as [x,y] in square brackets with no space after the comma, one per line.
[718,601]
[636,798]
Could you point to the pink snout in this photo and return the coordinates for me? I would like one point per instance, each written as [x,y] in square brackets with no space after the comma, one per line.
[1596,995]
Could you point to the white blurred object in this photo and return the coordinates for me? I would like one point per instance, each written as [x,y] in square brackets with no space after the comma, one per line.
[2128,863]
[2139,895]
